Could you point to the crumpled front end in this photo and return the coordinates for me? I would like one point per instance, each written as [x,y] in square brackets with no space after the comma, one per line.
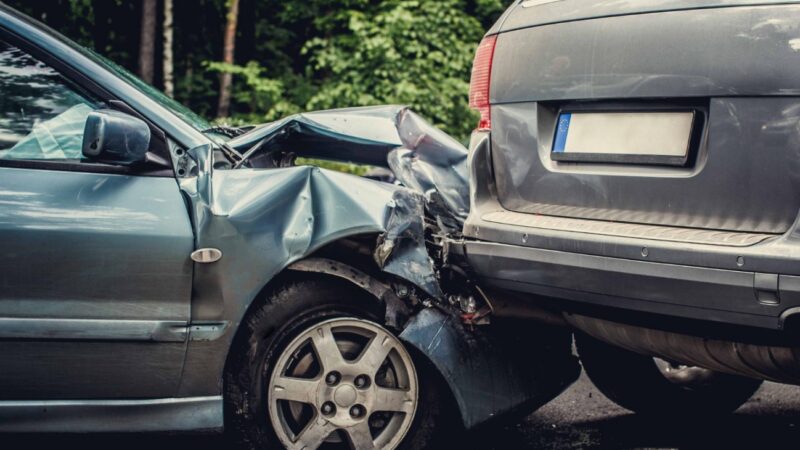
[422,157]
[265,215]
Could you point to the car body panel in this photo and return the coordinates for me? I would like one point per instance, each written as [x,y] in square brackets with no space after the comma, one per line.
[165,356]
[500,379]
[530,13]
[741,181]
[715,239]
[263,220]
[744,174]
[110,249]
[422,157]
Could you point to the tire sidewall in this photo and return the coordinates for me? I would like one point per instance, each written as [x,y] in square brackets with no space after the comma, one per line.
[271,327]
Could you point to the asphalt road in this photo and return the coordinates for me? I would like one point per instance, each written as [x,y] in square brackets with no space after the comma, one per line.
[580,418]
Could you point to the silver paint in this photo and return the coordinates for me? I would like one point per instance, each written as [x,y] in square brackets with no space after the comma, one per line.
[112,416]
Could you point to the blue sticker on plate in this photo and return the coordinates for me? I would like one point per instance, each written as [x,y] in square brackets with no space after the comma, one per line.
[561,132]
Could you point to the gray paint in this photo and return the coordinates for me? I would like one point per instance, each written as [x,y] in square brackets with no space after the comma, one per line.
[271,218]
[421,157]
[82,246]
[89,370]
[738,67]
[111,416]
[83,250]
[549,12]
[92,329]
[652,55]
[775,255]
[93,246]
[713,295]
[746,177]
[630,272]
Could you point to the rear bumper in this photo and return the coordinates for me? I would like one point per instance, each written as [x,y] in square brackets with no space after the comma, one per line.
[716,295]
[748,280]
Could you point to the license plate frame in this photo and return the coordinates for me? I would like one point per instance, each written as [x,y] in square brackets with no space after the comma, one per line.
[624,137]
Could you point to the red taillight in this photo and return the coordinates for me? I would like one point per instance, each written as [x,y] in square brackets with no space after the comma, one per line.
[481,79]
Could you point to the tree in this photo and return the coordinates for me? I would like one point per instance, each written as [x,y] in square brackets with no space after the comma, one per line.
[226,78]
[412,52]
[147,41]
[293,55]
[169,63]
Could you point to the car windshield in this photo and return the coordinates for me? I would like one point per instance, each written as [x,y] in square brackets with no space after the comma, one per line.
[181,111]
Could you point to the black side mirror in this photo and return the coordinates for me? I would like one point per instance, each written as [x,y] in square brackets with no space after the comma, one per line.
[115,137]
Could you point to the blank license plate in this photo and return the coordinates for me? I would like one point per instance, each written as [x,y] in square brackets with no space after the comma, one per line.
[624,137]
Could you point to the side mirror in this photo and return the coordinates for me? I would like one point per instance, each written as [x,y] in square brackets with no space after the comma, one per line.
[115,137]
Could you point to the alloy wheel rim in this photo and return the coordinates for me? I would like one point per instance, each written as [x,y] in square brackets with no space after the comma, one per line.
[343,380]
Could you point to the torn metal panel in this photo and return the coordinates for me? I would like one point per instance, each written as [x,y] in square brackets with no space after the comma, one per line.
[263,220]
[401,249]
[364,135]
[434,163]
[397,311]
[422,157]
[493,371]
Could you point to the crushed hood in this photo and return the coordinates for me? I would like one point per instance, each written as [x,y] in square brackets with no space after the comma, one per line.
[263,216]
[422,157]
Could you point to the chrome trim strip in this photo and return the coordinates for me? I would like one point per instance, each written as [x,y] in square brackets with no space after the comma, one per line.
[93,329]
[112,416]
[207,331]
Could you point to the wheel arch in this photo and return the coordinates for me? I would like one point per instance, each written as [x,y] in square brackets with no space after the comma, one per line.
[320,265]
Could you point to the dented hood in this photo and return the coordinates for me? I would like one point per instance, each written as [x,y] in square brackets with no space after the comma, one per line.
[265,216]
[421,156]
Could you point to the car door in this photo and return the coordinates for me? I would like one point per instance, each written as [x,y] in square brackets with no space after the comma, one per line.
[95,269]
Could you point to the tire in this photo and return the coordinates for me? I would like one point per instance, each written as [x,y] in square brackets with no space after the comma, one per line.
[274,340]
[638,383]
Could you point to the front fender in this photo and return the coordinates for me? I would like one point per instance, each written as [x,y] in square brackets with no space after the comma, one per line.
[263,220]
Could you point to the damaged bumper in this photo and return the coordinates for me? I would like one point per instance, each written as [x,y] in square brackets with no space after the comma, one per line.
[493,372]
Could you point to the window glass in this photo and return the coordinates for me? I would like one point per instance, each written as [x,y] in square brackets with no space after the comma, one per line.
[41,115]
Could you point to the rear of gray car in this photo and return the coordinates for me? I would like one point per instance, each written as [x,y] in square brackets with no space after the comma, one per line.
[637,170]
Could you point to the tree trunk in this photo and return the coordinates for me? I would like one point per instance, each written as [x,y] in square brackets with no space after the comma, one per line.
[223,109]
[102,15]
[168,68]
[147,41]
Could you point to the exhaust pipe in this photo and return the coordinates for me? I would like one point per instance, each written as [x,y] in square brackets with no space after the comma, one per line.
[774,363]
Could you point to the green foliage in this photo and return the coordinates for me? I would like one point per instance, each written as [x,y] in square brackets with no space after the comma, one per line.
[405,52]
[296,55]
[355,169]
[262,96]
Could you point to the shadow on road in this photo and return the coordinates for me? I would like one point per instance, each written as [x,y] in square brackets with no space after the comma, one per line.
[631,431]
[619,432]
[580,418]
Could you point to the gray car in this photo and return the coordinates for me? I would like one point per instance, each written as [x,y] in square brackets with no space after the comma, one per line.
[158,273]
[635,177]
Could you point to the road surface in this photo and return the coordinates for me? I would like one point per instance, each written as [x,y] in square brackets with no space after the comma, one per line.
[580,418]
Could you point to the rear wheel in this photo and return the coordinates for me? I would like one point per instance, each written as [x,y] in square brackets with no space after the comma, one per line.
[648,385]
[318,370]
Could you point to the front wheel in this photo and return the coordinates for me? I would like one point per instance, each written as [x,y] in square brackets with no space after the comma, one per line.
[652,386]
[320,371]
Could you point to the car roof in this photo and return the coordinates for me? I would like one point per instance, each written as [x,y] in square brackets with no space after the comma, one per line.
[531,13]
